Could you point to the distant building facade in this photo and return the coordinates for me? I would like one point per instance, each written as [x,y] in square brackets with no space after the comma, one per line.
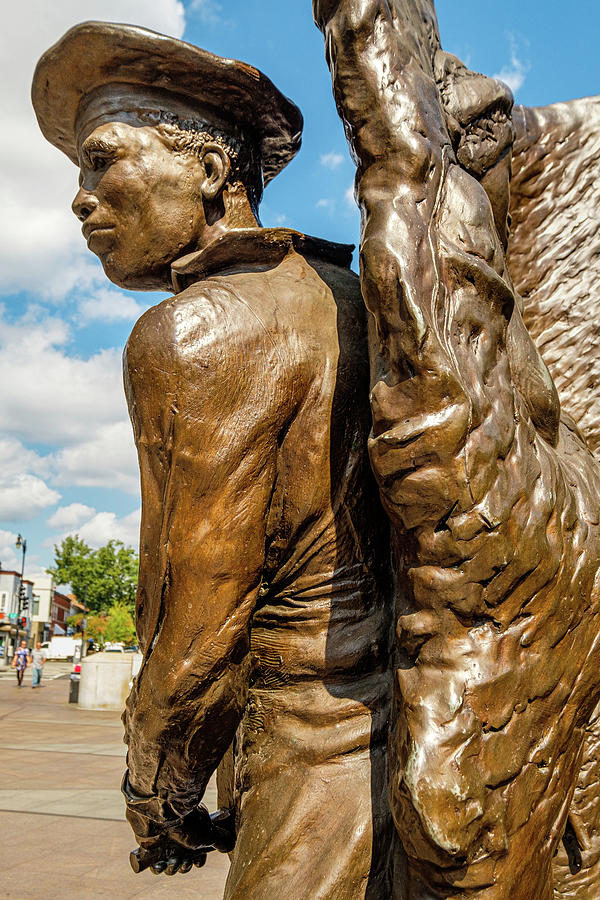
[77,608]
[45,617]
[61,610]
[41,618]
[12,630]
[51,610]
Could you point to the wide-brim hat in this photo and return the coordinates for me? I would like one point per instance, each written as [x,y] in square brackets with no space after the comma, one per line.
[94,54]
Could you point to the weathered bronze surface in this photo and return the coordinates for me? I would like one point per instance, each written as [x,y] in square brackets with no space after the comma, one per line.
[553,253]
[264,605]
[267,601]
[493,494]
[555,264]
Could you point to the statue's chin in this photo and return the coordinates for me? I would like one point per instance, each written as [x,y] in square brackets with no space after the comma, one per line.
[132,279]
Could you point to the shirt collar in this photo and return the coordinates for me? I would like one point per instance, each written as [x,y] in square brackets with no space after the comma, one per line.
[243,248]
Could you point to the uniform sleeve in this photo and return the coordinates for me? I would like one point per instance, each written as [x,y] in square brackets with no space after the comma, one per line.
[206,419]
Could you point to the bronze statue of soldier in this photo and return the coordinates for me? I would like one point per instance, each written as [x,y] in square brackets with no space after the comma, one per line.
[263,604]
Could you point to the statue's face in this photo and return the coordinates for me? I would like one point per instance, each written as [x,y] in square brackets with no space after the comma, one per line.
[139,202]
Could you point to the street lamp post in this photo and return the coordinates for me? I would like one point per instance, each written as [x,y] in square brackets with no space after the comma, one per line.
[83,621]
[20,543]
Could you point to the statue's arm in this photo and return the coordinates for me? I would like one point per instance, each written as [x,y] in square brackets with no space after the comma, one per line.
[207,458]
[381,57]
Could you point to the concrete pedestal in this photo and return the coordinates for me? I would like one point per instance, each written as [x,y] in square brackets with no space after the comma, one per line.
[105,679]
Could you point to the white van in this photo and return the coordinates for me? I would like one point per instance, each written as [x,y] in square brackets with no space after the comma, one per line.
[60,647]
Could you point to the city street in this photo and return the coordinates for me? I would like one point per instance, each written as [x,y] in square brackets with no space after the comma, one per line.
[52,671]
[64,834]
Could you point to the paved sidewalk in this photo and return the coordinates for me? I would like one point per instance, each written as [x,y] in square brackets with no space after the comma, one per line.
[64,834]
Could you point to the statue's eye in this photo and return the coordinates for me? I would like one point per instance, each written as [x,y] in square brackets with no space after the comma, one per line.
[98,160]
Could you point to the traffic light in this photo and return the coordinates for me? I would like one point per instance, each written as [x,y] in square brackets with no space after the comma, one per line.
[23,597]
[23,622]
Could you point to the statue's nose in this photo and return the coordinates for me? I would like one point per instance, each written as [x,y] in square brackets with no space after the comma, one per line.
[84,204]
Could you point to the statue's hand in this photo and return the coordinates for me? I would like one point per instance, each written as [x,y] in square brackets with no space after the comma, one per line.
[478,115]
[172,841]
[177,848]
[186,844]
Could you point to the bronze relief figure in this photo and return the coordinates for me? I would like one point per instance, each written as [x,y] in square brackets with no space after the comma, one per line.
[492,491]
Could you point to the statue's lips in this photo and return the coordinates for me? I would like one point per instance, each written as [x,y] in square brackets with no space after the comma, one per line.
[96,235]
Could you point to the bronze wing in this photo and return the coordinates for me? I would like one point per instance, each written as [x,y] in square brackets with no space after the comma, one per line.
[554,247]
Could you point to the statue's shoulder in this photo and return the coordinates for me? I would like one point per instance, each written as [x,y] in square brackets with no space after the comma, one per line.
[202,322]
[246,295]
[262,264]
[150,334]
[214,312]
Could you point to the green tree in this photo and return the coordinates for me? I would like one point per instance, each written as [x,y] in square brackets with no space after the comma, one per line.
[75,622]
[99,578]
[96,628]
[119,625]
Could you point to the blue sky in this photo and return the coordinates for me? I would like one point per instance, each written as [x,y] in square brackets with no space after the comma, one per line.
[66,455]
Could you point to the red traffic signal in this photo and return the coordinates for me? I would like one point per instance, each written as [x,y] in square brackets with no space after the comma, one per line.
[23,622]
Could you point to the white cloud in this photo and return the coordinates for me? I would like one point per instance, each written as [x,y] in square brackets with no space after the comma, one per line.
[97,528]
[71,516]
[106,526]
[331,204]
[23,494]
[209,11]
[331,160]
[55,398]
[109,305]
[515,72]
[8,557]
[107,459]
[41,248]
[272,217]
[15,458]
[73,404]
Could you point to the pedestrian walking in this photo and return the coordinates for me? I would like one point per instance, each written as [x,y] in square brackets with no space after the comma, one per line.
[38,658]
[20,661]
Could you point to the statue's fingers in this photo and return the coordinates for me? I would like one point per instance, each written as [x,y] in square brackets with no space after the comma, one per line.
[185,866]
[172,866]
[159,867]
[200,860]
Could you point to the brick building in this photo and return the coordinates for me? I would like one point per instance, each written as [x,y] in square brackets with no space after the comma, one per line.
[61,609]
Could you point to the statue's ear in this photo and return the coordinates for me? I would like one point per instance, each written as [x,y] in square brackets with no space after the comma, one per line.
[216,168]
